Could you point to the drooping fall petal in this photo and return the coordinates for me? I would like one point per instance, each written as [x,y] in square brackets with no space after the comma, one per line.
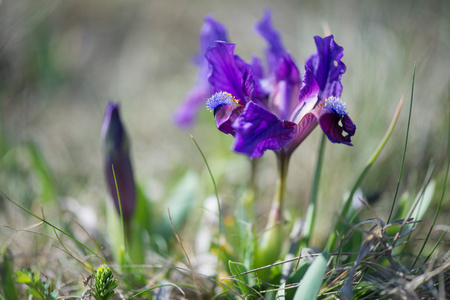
[329,122]
[258,130]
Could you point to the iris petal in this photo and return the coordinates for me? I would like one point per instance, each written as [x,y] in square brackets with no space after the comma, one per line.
[276,49]
[186,113]
[225,75]
[327,67]
[226,115]
[258,130]
[307,98]
[194,100]
[210,32]
[329,122]
[304,128]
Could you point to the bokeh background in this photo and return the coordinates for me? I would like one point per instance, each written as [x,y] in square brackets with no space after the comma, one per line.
[62,61]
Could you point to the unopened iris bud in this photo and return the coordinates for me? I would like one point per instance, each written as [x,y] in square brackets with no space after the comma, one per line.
[116,150]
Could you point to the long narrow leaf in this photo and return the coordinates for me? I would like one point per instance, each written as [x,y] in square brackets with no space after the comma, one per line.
[406,145]
[440,200]
[240,272]
[43,173]
[217,197]
[6,278]
[312,281]
[339,226]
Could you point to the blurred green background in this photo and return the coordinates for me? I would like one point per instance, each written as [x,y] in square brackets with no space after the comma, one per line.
[61,61]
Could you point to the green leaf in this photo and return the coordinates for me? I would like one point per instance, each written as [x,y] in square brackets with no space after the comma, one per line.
[34,292]
[237,269]
[179,203]
[312,281]
[143,213]
[114,230]
[23,276]
[297,276]
[425,202]
[281,294]
[54,295]
[43,173]
[6,278]
[339,227]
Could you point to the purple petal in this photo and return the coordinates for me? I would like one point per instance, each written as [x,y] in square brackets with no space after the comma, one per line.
[284,96]
[194,100]
[348,125]
[329,122]
[210,32]
[225,116]
[257,68]
[261,89]
[307,99]
[327,67]
[258,130]
[276,49]
[186,113]
[225,75]
[287,70]
[304,128]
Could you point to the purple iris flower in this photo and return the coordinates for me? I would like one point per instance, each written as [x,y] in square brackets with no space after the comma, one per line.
[194,100]
[278,111]
[116,146]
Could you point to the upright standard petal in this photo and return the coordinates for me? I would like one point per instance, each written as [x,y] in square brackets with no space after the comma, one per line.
[308,97]
[186,113]
[284,95]
[210,32]
[228,71]
[276,50]
[327,67]
[194,100]
[116,154]
[306,123]
[258,130]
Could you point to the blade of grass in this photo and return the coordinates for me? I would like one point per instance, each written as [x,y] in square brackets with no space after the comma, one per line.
[340,225]
[156,287]
[121,214]
[236,269]
[43,172]
[432,250]
[439,203]
[53,226]
[70,253]
[415,203]
[217,198]
[194,277]
[404,149]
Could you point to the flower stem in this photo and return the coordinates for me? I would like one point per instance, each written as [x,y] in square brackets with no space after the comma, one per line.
[270,246]
[276,212]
